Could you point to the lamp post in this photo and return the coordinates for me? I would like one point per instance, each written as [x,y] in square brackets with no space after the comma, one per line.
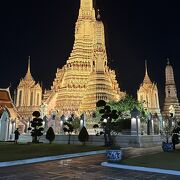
[150,124]
[135,122]
[62,120]
[171,115]
[83,120]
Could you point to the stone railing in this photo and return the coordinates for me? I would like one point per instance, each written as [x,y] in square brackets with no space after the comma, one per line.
[121,140]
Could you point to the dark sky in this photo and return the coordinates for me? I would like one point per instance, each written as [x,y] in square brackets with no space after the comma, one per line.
[44,29]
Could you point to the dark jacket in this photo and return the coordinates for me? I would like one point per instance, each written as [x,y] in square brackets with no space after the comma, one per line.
[175,138]
[16,132]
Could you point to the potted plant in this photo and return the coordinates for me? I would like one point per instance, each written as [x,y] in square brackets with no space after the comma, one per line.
[166,134]
[114,153]
[109,122]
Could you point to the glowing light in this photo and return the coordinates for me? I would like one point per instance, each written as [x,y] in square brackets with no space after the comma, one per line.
[105,120]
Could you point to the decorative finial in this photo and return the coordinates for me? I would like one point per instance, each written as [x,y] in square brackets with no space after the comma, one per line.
[29,64]
[98,15]
[28,74]
[146,66]
[168,62]
[146,78]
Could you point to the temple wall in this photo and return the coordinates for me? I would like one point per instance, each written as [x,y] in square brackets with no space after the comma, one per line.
[122,140]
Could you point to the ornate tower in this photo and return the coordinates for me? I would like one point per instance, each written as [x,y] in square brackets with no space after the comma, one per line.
[85,78]
[29,95]
[171,104]
[148,95]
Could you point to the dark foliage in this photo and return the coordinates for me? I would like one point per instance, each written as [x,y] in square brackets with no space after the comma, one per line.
[83,135]
[175,135]
[125,124]
[94,115]
[96,126]
[111,123]
[36,127]
[36,114]
[100,103]
[50,136]
[68,128]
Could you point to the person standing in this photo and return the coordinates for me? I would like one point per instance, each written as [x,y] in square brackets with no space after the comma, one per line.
[16,132]
[175,140]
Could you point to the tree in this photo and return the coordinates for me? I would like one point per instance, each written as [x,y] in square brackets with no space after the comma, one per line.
[108,121]
[83,135]
[68,128]
[126,105]
[116,115]
[76,125]
[36,127]
[50,136]
[166,132]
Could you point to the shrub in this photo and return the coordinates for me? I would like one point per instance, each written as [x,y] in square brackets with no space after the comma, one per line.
[68,128]
[50,136]
[83,135]
[36,127]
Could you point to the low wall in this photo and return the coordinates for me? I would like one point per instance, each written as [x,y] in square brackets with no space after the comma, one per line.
[121,140]
[150,140]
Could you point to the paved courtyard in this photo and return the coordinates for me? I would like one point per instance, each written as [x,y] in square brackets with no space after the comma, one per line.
[78,168]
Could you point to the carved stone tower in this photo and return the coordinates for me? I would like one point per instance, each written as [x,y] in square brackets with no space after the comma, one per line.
[85,78]
[29,95]
[171,103]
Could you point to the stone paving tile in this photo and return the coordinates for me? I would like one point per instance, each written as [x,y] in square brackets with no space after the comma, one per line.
[88,168]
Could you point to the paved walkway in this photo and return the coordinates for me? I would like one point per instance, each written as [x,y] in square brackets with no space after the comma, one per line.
[50,158]
[134,152]
[88,168]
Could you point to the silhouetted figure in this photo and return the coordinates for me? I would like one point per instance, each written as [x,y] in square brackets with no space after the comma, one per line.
[16,132]
[175,140]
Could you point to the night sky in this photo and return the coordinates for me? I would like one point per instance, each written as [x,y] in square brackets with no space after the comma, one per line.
[135,31]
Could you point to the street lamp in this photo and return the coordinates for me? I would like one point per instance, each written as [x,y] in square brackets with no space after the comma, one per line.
[135,122]
[105,120]
[83,120]
[172,116]
[62,120]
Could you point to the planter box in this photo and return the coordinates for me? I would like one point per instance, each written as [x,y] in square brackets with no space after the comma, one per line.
[167,147]
[114,155]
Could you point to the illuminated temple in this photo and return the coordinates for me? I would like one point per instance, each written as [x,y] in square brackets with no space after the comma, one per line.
[86,77]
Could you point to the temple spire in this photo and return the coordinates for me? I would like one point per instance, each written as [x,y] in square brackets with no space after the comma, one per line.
[29,65]
[146,78]
[171,98]
[86,4]
[146,67]
[28,74]
[98,15]
[169,74]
